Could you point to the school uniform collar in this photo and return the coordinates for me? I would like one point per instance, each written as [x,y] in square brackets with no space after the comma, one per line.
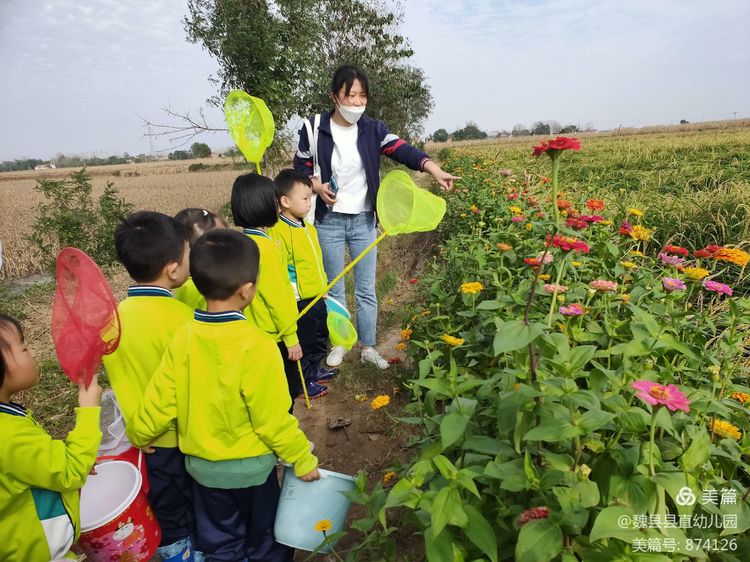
[218,317]
[148,291]
[292,223]
[255,232]
[13,409]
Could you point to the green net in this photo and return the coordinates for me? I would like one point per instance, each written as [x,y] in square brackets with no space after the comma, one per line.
[250,123]
[404,208]
[340,330]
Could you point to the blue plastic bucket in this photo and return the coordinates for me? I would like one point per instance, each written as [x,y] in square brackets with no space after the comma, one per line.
[303,504]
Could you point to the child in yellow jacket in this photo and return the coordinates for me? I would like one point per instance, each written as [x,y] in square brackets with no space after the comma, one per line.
[154,249]
[40,477]
[304,261]
[274,309]
[222,380]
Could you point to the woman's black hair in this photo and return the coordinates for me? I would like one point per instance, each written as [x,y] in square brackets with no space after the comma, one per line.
[199,221]
[6,322]
[254,201]
[345,76]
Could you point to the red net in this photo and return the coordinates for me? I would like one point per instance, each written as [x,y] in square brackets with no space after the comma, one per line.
[85,324]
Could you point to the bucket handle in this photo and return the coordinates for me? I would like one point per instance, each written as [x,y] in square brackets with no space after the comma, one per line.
[117,458]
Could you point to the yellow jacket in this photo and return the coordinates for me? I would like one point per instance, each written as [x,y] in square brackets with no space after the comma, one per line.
[149,318]
[223,380]
[304,258]
[274,307]
[189,295]
[40,479]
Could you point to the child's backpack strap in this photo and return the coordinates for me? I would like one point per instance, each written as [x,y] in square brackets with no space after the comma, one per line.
[312,137]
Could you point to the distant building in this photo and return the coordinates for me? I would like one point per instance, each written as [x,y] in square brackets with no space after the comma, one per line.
[50,166]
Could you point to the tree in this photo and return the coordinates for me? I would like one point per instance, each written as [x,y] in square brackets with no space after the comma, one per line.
[470,132]
[684,121]
[275,50]
[520,130]
[567,129]
[441,135]
[180,155]
[540,128]
[200,150]
[554,127]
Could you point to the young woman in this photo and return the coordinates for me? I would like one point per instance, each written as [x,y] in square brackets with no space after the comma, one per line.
[349,147]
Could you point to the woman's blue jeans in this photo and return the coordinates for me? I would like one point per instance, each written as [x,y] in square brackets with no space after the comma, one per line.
[335,232]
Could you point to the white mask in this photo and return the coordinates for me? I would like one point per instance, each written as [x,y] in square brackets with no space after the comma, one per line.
[352,113]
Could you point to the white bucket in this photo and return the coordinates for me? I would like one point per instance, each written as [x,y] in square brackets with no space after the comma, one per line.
[303,504]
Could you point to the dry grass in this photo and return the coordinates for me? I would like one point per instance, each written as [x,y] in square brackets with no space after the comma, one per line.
[160,186]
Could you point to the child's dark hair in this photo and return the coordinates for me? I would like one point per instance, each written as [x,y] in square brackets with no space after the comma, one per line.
[287,179]
[345,76]
[221,261]
[254,201]
[6,323]
[146,241]
[199,221]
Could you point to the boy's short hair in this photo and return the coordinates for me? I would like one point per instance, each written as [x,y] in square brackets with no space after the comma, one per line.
[254,201]
[199,221]
[6,323]
[287,179]
[223,260]
[147,241]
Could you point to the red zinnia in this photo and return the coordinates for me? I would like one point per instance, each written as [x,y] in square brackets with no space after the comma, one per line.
[512,196]
[676,250]
[562,204]
[568,243]
[707,252]
[553,147]
[576,224]
[595,204]
[626,228]
[591,218]
[532,262]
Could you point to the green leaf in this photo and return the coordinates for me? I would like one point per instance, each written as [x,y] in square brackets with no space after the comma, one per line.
[615,522]
[698,452]
[480,532]
[593,420]
[539,541]
[483,444]
[465,479]
[438,547]
[445,467]
[514,335]
[489,305]
[552,430]
[452,428]
[440,509]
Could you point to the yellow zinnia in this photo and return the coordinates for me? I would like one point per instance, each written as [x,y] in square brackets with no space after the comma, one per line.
[544,277]
[471,288]
[323,526]
[742,397]
[529,226]
[576,263]
[695,273]
[732,255]
[380,402]
[388,477]
[636,253]
[406,334]
[628,264]
[635,212]
[451,341]
[401,346]
[725,429]
[515,210]
[641,233]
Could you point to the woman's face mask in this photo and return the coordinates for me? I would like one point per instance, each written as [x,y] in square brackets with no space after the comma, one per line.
[353,104]
[352,113]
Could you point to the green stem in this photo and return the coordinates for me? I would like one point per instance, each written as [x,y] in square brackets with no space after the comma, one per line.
[555,210]
[560,272]
[653,433]
[336,554]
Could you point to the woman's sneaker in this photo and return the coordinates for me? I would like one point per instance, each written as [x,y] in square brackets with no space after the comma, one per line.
[371,355]
[336,356]
[315,390]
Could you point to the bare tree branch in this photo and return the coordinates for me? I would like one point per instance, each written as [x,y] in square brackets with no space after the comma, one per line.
[185,129]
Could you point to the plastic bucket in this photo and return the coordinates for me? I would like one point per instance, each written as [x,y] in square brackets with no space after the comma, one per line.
[133,456]
[117,522]
[303,504]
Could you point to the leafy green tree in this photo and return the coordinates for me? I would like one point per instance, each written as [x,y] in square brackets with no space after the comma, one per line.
[200,150]
[441,135]
[180,155]
[567,129]
[470,132]
[540,128]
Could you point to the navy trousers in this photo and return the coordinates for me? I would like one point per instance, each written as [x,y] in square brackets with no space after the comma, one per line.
[312,330]
[171,494]
[292,375]
[237,525]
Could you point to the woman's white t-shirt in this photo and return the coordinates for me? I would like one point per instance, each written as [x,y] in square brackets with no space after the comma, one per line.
[347,168]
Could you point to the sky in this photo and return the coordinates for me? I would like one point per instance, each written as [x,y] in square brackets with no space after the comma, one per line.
[78,74]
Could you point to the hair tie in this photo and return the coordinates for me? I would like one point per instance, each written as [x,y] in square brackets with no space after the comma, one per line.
[205,212]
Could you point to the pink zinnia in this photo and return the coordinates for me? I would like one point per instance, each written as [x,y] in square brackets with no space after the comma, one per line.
[591,218]
[717,287]
[548,257]
[603,285]
[512,196]
[626,228]
[660,395]
[670,260]
[574,309]
[576,223]
[552,288]
[671,284]
[517,219]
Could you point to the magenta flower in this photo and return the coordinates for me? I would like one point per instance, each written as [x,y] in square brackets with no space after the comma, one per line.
[603,285]
[517,219]
[717,287]
[671,284]
[670,260]
[659,395]
[548,257]
[574,309]
[552,288]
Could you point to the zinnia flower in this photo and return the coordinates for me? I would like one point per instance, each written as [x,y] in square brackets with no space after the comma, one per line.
[563,204]
[512,196]
[635,212]
[717,287]
[595,204]
[637,253]
[545,257]
[323,526]
[388,477]
[567,243]
[707,252]
[625,297]
[741,397]
[401,346]
[532,262]
[471,288]
[625,228]
[603,285]
[725,429]
[553,147]
[574,309]
[676,250]
[380,402]
[406,334]
[504,247]
[517,219]
[695,273]
[628,264]
[452,341]
[576,224]
[515,210]
[671,284]
[576,263]
[591,218]
[732,255]
[640,233]
[531,514]
[529,226]
[553,288]
[474,209]
[660,395]
[670,260]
